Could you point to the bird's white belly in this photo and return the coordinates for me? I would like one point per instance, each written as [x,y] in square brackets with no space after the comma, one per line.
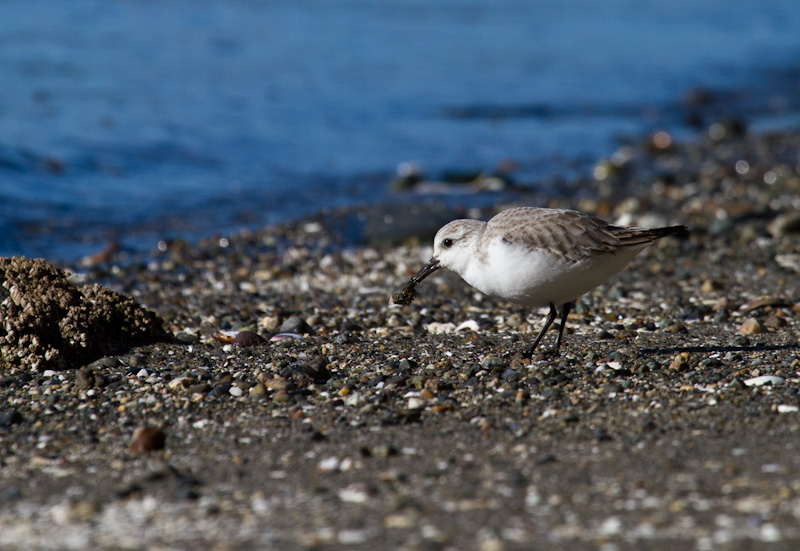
[538,278]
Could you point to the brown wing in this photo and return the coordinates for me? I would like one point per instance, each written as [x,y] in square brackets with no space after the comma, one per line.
[568,233]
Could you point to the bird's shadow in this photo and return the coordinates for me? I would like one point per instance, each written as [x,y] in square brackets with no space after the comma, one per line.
[710,349]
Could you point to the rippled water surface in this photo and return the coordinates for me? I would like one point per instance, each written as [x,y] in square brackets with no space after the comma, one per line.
[135,121]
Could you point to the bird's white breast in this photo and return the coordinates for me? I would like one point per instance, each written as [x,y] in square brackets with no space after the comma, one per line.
[537,277]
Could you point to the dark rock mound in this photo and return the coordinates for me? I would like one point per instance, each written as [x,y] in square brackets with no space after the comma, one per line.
[48,323]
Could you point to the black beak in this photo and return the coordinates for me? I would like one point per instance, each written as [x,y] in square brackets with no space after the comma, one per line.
[426,270]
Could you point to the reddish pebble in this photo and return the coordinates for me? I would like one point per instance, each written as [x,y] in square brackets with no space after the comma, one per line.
[147,439]
[248,338]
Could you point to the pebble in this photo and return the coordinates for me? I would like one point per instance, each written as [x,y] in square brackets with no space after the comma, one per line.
[202,388]
[247,339]
[721,304]
[492,361]
[147,439]
[710,286]
[764,380]
[9,419]
[775,322]
[415,403]
[297,325]
[751,326]
[258,389]
[281,397]
[426,394]
[356,399]
[680,362]
[181,382]
[88,378]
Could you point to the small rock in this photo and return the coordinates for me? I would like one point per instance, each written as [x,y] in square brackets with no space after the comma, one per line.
[426,394]
[492,361]
[710,285]
[346,337]
[258,389]
[601,435]
[186,337]
[246,339]
[774,322]
[355,399]
[407,365]
[680,362]
[722,303]
[147,439]
[677,328]
[751,326]
[236,391]
[282,397]
[10,418]
[202,388]
[415,403]
[314,370]
[740,340]
[511,375]
[296,324]
[277,383]
[515,320]
[181,382]
[269,322]
[736,384]
[385,450]
[88,378]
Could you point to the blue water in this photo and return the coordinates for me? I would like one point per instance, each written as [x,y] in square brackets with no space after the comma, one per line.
[136,121]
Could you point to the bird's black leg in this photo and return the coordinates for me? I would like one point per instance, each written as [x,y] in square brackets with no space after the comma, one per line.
[551,317]
[565,309]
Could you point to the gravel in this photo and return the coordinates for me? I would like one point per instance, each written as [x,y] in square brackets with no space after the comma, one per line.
[339,421]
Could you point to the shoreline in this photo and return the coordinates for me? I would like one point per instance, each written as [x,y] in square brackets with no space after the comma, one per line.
[383,427]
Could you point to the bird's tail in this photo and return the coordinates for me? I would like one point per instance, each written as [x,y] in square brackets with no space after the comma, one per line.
[644,236]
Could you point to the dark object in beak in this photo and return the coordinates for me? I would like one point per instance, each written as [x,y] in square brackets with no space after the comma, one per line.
[405,296]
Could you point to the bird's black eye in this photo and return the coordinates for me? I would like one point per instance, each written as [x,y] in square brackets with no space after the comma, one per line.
[447,243]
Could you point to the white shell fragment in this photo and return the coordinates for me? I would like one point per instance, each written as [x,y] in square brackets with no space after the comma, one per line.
[437,328]
[470,325]
[764,380]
